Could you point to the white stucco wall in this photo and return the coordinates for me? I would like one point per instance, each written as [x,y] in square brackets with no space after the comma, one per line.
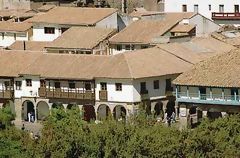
[39,35]
[203,25]
[8,38]
[27,91]
[109,22]
[126,95]
[203,6]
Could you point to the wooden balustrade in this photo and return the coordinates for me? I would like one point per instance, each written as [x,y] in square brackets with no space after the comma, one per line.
[66,94]
[103,95]
[225,16]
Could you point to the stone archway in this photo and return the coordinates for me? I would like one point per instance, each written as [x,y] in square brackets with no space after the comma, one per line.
[158,110]
[103,112]
[57,106]
[42,110]
[119,112]
[72,107]
[88,113]
[27,107]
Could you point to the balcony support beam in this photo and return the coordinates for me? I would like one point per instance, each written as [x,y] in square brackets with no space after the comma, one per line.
[187,91]
[211,96]
[235,95]
[176,91]
[222,93]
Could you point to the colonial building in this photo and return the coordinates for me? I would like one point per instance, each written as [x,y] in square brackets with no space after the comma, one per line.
[168,27]
[12,31]
[50,25]
[222,12]
[210,89]
[87,40]
[100,85]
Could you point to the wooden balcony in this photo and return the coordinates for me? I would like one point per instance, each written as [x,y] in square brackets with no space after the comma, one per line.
[225,16]
[103,95]
[6,94]
[66,94]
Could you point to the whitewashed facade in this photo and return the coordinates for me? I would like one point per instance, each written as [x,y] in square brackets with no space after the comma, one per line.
[8,38]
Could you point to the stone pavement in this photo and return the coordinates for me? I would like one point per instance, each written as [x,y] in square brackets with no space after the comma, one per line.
[31,127]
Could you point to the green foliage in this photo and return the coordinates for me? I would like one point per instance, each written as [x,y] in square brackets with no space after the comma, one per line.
[65,134]
[6,115]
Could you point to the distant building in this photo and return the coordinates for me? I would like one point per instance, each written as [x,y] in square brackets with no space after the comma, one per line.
[14,4]
[211,88]
[153,29]
[49,26]
[87,40]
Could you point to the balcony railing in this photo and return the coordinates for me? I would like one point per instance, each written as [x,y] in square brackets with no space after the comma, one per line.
[208,98]
[225,16]
[66,93]
[103,95]
[6,94]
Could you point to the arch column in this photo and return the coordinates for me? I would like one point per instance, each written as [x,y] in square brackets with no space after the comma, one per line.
[35,112]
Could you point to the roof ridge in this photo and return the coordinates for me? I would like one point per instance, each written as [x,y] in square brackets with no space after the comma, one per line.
[176,55]
[129,68]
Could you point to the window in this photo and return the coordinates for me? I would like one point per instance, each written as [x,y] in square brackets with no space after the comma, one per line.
[7,85]
[143,88]
[169,85]
[103,86]
[49,30]
[119,47]
[88,86]
[71,85]
[184,8]
[156,84]
[144,47]
[118,86]
[18,85]
[209,7]
[236,8]
[132,47]
[57,84]
[28,82]
[196,8]
[42,83]
[221,8]
[127,47]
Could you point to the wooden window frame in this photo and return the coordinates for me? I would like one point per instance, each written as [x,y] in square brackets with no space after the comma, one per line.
[28,82]
[118,86]
[49,30]
[103,86]
[18,85]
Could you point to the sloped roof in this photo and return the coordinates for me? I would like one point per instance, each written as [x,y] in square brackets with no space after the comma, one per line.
[29,45]
[183,28]
[6,26]
[81,38]
[14,62]
[138,64]
[73,15]
[198,49]
[219,71]
[46,8]
[144,31]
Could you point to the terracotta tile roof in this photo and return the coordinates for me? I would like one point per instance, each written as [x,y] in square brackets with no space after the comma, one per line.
[14,62]
[183,28]
[46,8]
[30,45]
[73,15]
[144,31]
[219,71]
[81,38]
[138,64]
[198,49]
[6,26]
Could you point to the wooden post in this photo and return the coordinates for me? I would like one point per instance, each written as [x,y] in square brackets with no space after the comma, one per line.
[222,93]
[176,91]
[235,95]
[199,93]
[187,91]
[211,93]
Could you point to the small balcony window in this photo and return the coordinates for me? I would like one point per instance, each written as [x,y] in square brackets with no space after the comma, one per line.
[88,86]
[118,86]
[156,84]
[103,86]
[143,88]
[57,85]
[49,30]
[28,82]
[42,83]
[72,85]
[119,47]
[18,85]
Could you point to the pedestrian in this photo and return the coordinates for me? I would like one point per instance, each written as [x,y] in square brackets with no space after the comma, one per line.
[29,117]
[32,117]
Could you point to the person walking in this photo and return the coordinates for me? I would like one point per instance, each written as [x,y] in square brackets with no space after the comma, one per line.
[29,117]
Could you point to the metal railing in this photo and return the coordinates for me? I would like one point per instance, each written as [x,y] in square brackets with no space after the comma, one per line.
[223,16]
